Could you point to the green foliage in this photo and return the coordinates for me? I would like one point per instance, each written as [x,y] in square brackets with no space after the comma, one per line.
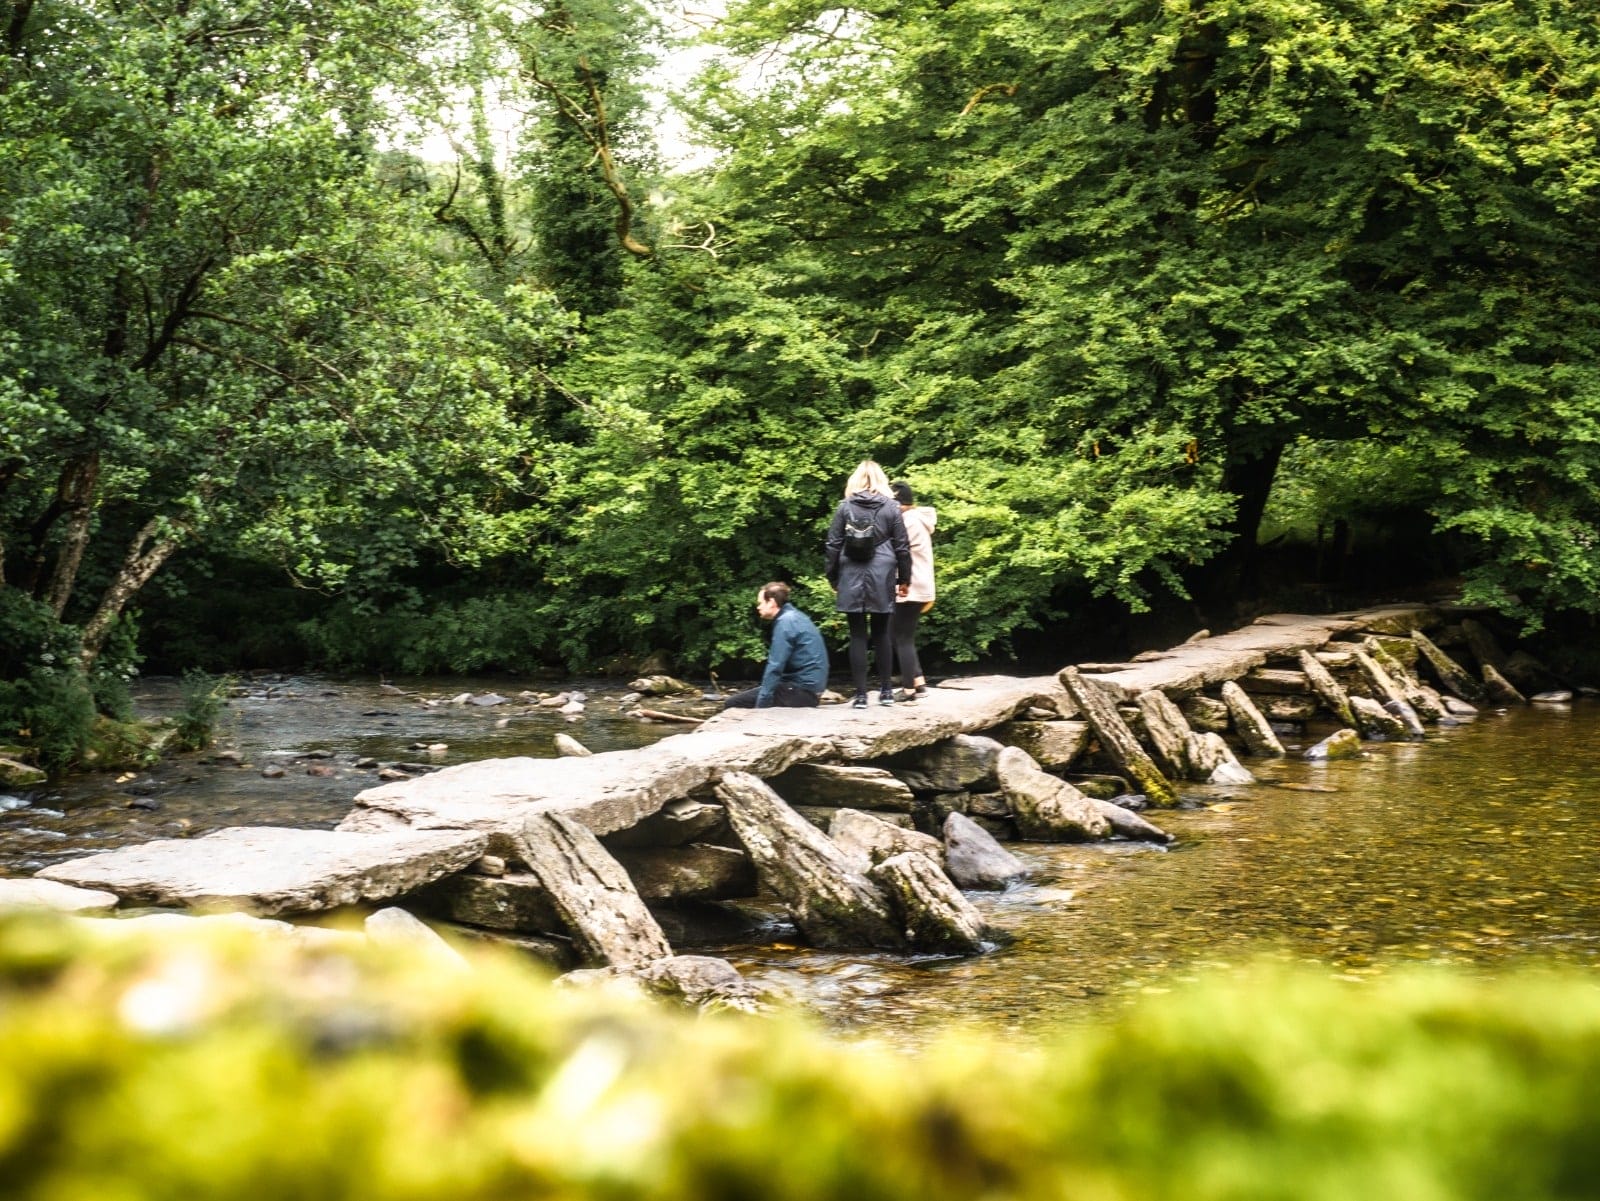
[48,702]
[51,711]
[226,316]
[476,633]
[204,697]
[221,1069]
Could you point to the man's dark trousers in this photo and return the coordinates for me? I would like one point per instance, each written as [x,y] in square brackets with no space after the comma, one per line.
[785,696]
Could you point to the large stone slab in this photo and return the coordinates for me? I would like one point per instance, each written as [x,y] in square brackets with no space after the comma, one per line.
[1197,665]
[265,870]
[48,894]
[604,793]
[956,707]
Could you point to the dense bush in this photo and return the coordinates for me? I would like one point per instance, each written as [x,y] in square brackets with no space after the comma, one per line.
[247,1069]
[48,702]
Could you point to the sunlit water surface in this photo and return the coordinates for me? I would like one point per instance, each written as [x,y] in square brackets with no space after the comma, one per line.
[1479,847]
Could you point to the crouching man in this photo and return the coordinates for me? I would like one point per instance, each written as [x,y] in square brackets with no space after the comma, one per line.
[797,664]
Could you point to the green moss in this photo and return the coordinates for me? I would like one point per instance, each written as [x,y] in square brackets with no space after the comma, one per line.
[256,1069]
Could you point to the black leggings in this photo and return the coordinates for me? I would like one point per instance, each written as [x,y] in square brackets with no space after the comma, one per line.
[903,628]
[882,659]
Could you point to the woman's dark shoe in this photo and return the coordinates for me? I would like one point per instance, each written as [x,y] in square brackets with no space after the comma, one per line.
[860,701]
[886,697]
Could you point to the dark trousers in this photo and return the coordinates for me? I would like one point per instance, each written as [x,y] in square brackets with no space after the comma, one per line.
[785,696]
[875,626]
[903,629]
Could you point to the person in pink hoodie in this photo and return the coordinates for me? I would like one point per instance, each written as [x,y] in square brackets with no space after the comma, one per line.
[918,598]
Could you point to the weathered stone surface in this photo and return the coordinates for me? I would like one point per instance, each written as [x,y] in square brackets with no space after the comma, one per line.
[1500,690]
[1205,713]
[1558,696]
[843,784]
[1452,676]
[1274,679]
[1166,732]
[1129,824]
[556,954]
[16,774]
[955,764]
[661,685]
[1098,785]
[1457,707]
[1283,707]
[394,927]
[1116,740]
[1530,674]
[833,904]
[1328,690]
[515,901]
[935,916]
[268,871]
[605,792]
[702,981]
[1384,689]
[590,891]
[1376,721]
[1046,809]
[1403,652]
[48,894]
[821,816]
[987,804]
[1412,692]
[1053,744]
[1485,649]
[1251,723]
[1341,744]
[1398,620]
[870,840]
[695,872]
[570,747]
[1408,718]
[676,823]
[1212,760]
[1200,665]
[975,860]
[965,707]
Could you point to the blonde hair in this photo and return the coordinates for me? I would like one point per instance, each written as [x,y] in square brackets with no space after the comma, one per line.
[868,477]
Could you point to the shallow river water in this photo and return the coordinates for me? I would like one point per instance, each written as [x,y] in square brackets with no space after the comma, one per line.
[1478,847]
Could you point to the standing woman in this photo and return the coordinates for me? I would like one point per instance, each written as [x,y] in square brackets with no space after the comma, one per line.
[918,599]
[868,562]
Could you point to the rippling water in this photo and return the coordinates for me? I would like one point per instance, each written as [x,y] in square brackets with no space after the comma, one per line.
[1477,847]
[1480,847]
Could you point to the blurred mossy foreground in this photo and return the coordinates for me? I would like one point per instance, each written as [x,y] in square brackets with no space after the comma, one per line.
[230,1067]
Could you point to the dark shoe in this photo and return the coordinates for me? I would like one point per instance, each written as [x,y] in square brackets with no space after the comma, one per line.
[911,694]
[860,701]
[886,697]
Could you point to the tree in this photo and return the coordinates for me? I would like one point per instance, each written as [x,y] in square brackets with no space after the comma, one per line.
[1104,262]
[225,317]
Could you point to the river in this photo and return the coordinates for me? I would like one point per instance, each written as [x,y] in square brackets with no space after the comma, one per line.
[1478,847]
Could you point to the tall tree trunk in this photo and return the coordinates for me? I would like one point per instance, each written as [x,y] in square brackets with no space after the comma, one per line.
[1233,573]
[76,491]
[146,554]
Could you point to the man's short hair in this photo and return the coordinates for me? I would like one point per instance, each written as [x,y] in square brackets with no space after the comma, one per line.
[776,591]
[902,492]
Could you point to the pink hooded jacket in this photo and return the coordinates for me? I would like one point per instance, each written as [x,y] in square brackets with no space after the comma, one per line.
[920,521]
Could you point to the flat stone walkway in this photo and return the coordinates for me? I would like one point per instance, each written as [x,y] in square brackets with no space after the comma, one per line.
[403,834]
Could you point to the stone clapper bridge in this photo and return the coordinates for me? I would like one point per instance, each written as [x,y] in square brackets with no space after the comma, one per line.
[590,859]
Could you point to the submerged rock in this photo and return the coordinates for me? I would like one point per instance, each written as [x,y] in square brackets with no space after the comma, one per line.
[1341,744]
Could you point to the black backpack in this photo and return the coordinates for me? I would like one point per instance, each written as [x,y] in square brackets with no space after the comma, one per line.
[860,535]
